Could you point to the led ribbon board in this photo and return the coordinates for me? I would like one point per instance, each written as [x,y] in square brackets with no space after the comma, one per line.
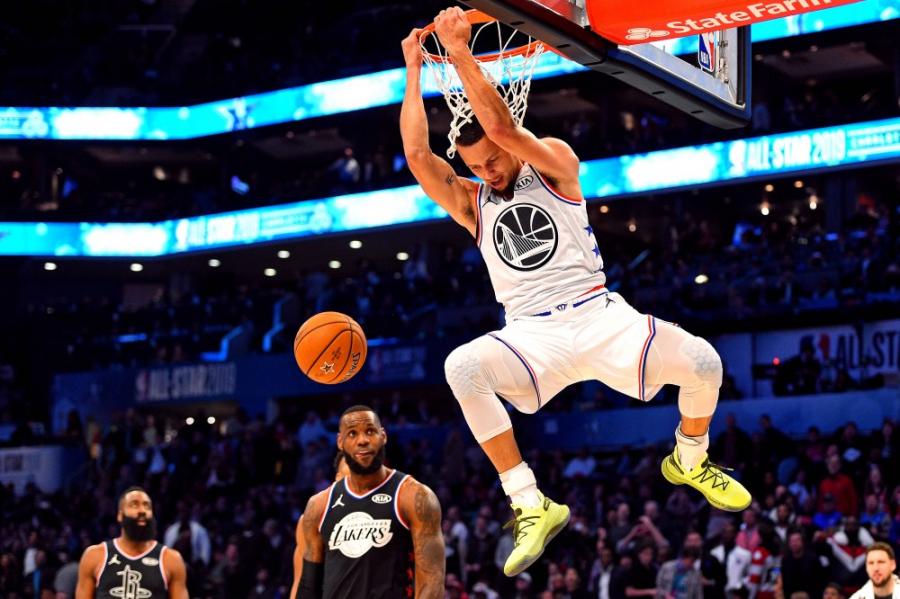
[341,95]
[720,163]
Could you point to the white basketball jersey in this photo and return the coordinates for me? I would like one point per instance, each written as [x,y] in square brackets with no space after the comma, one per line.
[539,247]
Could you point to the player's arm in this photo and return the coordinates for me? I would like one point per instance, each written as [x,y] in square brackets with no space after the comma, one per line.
[298,558]
[454,194]
[314,549]
[552,157]
[87,572]
[176,574]
[420,507]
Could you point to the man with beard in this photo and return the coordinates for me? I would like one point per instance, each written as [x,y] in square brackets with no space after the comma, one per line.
[375,533]
[880,566]
[134,564]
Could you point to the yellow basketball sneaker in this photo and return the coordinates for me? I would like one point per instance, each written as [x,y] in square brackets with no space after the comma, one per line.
[533,528]
[721,490]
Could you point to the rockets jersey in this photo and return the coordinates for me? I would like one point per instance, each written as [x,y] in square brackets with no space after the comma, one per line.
[368,546]
[124,576]
[538,246]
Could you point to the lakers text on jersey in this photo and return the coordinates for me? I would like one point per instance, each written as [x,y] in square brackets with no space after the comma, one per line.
[368,547]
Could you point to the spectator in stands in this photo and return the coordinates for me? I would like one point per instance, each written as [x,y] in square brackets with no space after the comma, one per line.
[574,589]
[833,591]
[748,537]
[734,559]
[828,517]
[800,374]
[641,578]
[733,444]
[645,531]
[581,465]
[347,168]
[312,430]
[873,517]
[764,564]
[848,551]
[679,578]
[801,569]
[189,537]
[840,487]
[601,571]
[619,524]
[881,566]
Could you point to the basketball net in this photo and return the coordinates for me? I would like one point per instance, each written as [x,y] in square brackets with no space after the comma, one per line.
[509,70]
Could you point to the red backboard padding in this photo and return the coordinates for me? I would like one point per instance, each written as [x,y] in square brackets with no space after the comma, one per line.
[637,21]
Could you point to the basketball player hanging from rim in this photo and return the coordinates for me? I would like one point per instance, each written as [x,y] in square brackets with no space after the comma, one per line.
[563,326]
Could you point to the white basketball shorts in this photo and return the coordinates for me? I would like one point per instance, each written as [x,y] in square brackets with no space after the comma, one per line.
[602,338]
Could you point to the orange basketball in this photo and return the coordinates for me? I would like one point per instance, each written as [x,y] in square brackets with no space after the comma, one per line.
[330,348]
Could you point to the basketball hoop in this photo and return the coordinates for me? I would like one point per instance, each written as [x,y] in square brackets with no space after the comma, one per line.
[508,65]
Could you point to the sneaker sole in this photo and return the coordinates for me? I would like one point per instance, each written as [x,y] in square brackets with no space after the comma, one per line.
[555,531]
[714,502]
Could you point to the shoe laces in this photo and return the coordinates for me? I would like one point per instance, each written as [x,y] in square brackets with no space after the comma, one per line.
[521,523]
[713,472]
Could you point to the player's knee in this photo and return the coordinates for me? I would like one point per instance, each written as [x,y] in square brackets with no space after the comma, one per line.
[705,361]
[463,371]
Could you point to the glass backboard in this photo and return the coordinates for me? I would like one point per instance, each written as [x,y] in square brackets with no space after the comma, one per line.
[713,85]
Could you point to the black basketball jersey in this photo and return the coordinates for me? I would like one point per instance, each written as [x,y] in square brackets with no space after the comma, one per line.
[124,576]
[368,547]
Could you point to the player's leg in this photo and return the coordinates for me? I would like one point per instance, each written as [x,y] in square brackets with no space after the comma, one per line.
[677,357]
[478,372]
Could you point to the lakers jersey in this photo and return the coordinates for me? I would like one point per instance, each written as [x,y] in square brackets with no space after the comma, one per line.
[538,246]
[124,576]
[368,546]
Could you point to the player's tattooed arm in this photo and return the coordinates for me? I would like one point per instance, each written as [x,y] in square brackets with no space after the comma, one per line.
[315,548]
[423,512]
[311,582]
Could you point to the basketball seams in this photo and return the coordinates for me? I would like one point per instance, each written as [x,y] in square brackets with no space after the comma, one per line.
[297,340]
[322,353]
[340,372]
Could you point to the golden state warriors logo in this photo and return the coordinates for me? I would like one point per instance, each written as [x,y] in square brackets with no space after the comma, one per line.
[525,236]
[131,585]
[358,532]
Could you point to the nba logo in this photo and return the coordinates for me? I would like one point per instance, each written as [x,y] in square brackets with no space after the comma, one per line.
[706,53]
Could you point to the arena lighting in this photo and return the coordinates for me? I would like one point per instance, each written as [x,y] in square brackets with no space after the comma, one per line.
[632,225]
[211,420]
[189,420]
[402,256]
[136,267]
[214,263]
[798,184]
[270,272]
[284,254]
[49,265]
[813,202]
[764,208]
[334,264]
[691,167]
[604,209]
[701,279]
[769,187]
[355,244]
[340,95]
